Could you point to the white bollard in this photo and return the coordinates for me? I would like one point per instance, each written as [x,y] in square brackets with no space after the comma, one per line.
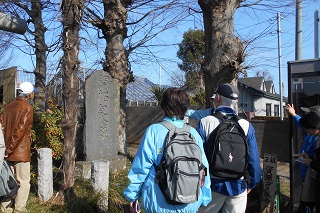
[45,174]
[100,180]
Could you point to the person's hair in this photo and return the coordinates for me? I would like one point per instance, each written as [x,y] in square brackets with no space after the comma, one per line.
[23,95]
[228,102]
[175,102]
[310,121]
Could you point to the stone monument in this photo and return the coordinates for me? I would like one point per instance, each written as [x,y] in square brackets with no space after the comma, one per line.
[101,117]
[102,103]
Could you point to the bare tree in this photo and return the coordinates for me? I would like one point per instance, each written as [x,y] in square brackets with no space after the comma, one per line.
[71,18]
[5,51]
[225,52]
[265,74]
[258,36]
[40,49]
[36,40]
[148,19]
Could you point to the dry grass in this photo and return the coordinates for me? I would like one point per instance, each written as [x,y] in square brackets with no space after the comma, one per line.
[86,200]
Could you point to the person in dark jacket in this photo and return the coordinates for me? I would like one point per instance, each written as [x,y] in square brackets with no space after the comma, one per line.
[230,195]
[17,118]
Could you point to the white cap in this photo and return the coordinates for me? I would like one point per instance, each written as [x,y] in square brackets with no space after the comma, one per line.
[26,88]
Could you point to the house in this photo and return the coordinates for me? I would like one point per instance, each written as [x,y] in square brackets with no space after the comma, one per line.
[259,97]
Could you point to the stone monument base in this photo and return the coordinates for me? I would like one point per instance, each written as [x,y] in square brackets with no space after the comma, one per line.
[83,168]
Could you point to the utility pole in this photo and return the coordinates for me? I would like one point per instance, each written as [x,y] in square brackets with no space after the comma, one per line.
[159,75]
[298,56]
[298,29]
[279,60]
[316,34]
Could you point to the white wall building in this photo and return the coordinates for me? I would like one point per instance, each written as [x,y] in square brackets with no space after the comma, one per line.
[259,97]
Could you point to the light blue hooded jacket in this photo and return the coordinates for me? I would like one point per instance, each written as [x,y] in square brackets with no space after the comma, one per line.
[142,172]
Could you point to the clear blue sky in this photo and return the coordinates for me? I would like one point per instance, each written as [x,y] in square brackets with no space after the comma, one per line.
[262,52]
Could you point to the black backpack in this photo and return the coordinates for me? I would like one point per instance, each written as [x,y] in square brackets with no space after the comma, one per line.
[180,174]
[227,149]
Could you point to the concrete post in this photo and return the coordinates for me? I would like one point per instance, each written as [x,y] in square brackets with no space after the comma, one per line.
[298,52]
[45,174]
[100,180]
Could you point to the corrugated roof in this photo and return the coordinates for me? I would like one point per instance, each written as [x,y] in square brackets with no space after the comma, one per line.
[140,90]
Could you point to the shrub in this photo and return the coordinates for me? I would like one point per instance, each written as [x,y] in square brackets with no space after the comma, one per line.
[199,99]
[157,91]
[47,131]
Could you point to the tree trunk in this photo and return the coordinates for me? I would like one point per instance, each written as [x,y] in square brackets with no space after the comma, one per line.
[116,64]
[40,52]
[224,53]
[71,17]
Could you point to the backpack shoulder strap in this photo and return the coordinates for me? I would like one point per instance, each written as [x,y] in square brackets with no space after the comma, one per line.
[232,117]
[219,115]
[167,124]
[170,126]
[228,116]
[236,118]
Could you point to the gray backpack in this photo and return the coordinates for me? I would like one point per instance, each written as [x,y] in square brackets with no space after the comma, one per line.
[180,174]
[8,183]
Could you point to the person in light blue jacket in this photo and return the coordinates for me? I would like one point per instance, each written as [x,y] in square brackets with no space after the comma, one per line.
[307,196]
[142,174]
[309,141]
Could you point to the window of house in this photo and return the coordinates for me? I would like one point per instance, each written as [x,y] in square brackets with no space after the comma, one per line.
[276,110]
[268,109]
[244,99]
